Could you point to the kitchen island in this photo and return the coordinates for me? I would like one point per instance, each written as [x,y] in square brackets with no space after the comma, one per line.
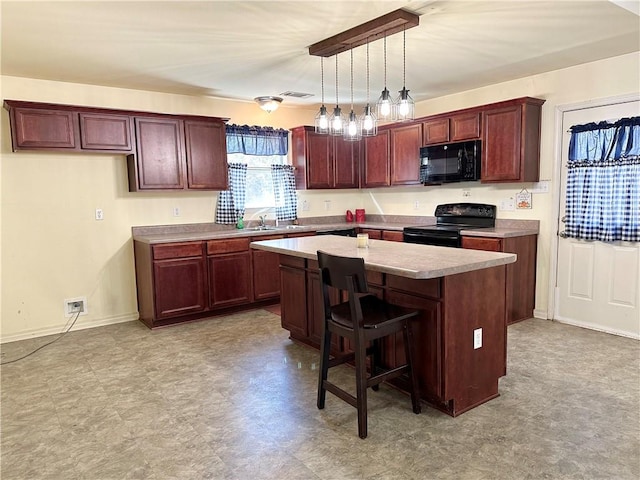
[460,335]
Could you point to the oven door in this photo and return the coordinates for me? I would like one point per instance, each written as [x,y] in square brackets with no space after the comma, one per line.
[433,237]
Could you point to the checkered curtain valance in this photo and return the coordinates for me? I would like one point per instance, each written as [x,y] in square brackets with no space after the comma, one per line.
[257,140]
[603,181]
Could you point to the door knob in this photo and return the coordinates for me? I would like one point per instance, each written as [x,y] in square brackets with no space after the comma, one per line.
[563,219]
[563,234]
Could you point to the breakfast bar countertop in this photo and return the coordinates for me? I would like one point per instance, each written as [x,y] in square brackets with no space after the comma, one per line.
[401,259]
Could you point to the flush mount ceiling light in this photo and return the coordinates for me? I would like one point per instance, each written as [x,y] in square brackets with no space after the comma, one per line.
[268,104]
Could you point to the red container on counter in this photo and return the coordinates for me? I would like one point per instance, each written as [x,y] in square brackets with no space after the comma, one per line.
[349,216]
[360,215]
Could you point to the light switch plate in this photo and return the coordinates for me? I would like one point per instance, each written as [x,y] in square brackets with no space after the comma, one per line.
[477,338]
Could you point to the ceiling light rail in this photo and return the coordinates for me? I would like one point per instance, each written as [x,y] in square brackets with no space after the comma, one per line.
[393,22]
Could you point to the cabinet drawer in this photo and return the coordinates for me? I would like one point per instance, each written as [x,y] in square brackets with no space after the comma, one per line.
[375,278]
[482,243]
[425,288]
[215,247]
[393,235]
[295,262]
[177,250]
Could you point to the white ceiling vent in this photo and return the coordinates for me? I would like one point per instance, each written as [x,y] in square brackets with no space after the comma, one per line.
[296,94]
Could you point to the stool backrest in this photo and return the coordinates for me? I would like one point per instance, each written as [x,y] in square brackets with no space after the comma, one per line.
[335,270]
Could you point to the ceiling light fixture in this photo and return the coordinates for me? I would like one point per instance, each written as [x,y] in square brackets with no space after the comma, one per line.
[336,121]
[368,119]
[385,104]
[322,118]
[405,106]
[268,104]
[352,128]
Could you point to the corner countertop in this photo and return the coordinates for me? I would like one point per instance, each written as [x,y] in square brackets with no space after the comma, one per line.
[401,259]
[212,231]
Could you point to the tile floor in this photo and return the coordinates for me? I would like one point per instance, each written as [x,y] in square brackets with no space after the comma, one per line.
[233,398]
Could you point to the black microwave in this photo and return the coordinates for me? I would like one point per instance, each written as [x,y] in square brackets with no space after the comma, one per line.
[453,162]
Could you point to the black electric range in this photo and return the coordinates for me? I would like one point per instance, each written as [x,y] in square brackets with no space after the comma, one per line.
[451,218]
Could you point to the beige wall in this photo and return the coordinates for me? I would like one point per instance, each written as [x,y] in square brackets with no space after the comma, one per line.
[52,248]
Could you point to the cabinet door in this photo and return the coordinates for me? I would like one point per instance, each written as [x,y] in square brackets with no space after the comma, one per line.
[405,154]
[206,149]
[375,164]
[101,131]
[501,144]
[44,129]
[229,279]
[160,154]
[465,127]
[346,162]
[179,287]
[266,274]
[319,160]
[293,302]
[435,131]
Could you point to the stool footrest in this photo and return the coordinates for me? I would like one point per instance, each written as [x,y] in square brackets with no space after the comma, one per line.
[340,393]
[386,375]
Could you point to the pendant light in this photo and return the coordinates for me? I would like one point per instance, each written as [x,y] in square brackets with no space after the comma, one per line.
[385,102]
[368,119]
[336,121]
[352,128]
[405,106]
[322,118]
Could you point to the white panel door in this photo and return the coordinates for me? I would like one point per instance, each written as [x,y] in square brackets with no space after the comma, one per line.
[597,283]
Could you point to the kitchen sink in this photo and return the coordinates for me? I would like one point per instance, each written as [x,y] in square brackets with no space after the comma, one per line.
[259,229]
[293,227]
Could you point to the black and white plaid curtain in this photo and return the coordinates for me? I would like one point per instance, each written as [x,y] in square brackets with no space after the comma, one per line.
[231,202]
[284,189]
[603,181]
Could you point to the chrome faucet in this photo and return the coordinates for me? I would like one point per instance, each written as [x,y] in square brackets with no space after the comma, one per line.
[262,220]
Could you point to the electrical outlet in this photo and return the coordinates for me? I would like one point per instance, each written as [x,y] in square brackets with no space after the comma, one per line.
[416,205]
[176,211]
[477,338]
[466,193]
[327,204]
[305,205]
[99,214]
[74,305]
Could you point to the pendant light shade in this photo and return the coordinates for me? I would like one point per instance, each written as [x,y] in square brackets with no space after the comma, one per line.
[352,128]
[385,105]
[405,106]
[368,119]
[336,121]
[322,117]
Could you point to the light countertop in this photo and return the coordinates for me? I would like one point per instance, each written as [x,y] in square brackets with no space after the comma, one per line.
[202,232]
[401,259]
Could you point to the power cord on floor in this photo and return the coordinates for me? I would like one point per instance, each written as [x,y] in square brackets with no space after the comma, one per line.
[46,344]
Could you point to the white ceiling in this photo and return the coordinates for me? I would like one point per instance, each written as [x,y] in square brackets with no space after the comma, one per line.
[243,49]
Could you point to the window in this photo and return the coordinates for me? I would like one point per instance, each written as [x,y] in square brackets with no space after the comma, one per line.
[259,187]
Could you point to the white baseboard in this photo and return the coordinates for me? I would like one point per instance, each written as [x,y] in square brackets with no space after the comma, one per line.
[541,314]
[598,328]
[80,325]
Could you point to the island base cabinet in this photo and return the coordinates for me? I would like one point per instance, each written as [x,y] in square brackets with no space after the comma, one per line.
[455,374]
[293,305]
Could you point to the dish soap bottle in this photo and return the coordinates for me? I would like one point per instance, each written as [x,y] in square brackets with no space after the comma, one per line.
[240,222]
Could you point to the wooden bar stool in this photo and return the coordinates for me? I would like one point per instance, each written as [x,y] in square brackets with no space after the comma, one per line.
[362,319]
